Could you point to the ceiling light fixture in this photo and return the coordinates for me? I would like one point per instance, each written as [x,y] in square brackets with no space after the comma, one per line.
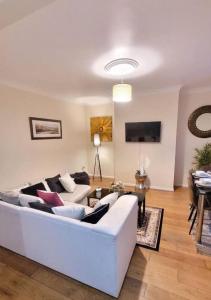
[122,92]
[121,66]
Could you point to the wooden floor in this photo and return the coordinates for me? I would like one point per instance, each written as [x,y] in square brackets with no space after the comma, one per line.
[176,272]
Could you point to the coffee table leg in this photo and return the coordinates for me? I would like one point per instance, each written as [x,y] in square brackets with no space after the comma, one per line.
[140,214]
[143,208]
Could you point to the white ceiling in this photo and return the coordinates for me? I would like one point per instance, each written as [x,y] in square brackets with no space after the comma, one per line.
[59,48]
[13,10]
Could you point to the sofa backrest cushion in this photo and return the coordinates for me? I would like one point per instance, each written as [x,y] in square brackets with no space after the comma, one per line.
[41,206]
[96,215]
[32,189]
[54,184]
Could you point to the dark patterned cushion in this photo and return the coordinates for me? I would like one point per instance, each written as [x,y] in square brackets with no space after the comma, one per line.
[81,178]
[32,189]
[54,184]
[41,206]
[96,215]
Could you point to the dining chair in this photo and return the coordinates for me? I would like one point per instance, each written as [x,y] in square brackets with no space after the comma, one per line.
[194,196]
[194,201]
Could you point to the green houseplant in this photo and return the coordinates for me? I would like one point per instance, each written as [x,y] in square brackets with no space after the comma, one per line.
[202,158]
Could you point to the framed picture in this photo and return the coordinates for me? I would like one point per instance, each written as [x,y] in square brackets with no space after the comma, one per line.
[103,126]
[42,129]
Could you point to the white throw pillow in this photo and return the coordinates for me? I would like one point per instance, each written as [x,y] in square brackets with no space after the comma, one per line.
[26,199]
[72,211]
[68,183]
[88,209]
[109,199]
[46,185]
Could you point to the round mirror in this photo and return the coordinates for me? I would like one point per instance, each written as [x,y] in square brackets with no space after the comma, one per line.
[204,122]
[199,122]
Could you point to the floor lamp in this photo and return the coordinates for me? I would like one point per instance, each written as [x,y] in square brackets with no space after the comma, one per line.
[97,144]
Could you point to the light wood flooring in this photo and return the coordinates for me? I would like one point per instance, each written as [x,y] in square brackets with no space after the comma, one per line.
[176,272]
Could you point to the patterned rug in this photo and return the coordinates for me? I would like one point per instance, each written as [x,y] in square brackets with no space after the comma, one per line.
[205,246]
[148,235]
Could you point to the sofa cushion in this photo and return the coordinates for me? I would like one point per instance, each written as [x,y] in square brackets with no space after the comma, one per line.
[96,215]
[41,206]
[81,178]
[32,189]
[51,198]
[88,209]
[26,199]
[109,199]
[68,183]
[81,191]
[74,211]
[11,197]
[54,184]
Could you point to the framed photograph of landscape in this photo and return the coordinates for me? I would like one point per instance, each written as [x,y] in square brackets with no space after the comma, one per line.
[42,129]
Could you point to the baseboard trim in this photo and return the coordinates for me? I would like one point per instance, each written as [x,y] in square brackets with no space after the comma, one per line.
[104,176]
[181,185]
[153,187]
[168,189]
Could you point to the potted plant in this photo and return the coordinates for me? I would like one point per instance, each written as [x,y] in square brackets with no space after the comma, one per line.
[202,158]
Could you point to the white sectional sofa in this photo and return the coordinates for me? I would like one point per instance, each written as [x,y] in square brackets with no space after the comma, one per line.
[95,254]
[78,196]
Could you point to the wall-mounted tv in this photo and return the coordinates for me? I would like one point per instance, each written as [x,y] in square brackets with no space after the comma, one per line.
[143,132]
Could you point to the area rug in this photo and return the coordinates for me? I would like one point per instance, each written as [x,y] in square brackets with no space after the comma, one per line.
[148,235]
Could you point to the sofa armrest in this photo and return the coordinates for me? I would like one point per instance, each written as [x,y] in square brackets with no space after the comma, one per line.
[121,224]
[112,222]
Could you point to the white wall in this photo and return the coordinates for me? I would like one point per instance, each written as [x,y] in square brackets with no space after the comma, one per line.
[23,159]
[106,149]
[159,157]
[173,110]
[186,141]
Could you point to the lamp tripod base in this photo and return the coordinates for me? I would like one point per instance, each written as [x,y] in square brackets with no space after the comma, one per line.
[97,165]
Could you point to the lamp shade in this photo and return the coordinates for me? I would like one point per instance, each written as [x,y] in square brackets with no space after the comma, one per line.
[122,92]
[96,140]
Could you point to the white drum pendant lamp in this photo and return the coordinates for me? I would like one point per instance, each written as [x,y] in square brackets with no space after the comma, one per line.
[122,92]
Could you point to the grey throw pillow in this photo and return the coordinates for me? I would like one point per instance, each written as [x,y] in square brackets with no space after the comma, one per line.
[11,197]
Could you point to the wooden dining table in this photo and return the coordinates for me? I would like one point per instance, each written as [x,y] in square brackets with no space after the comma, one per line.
[202,191]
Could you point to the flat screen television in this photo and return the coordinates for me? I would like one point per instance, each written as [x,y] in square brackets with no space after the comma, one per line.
[143,132]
